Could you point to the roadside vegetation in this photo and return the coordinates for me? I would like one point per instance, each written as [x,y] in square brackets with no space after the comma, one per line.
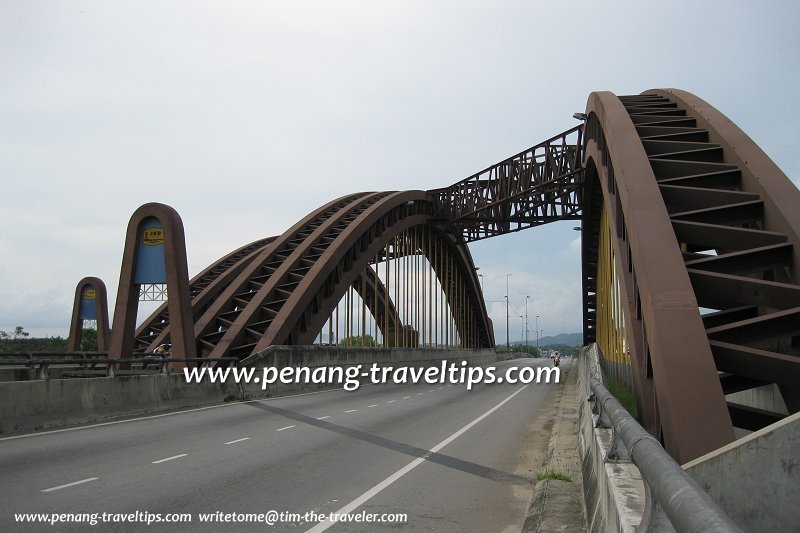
[552,474]
[359,340]
[623,394]
[20,340]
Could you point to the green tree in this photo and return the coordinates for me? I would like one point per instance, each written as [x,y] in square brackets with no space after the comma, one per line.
[359,340]
[19,333]
[13,341]
[89,340]
[19,340]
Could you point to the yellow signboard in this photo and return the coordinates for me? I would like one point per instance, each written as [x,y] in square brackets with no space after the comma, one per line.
[89,294]
[153,236]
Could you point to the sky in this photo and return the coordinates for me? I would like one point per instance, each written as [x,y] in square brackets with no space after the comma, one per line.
[246,115]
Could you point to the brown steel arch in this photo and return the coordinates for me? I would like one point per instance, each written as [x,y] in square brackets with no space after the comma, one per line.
[373,292]
[286,295]
[704,233]
[690,241]
[100,297]
[204,288]
[457,277]
[177,280]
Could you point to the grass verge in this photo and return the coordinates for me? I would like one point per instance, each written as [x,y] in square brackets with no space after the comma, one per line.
[552,474]
[623,394]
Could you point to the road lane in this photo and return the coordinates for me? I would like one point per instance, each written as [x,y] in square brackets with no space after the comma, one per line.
[295,454]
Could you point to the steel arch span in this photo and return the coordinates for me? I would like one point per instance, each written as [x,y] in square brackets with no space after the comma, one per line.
[691,237]
[691,252]
[283,290]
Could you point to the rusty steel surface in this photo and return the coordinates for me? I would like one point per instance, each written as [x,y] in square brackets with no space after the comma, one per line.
[204,287]
[377,299]
[539,185]
[223,326]
[674,350]
[101,308]
[751,278]
[286,293]
[731,231]
[701,247]
[123,331]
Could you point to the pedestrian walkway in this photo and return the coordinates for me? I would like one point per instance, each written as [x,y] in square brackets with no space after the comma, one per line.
[557,505]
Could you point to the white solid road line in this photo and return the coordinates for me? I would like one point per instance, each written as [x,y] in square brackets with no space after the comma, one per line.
[287,427]
[353,505]
[170,458]
[237,440]
[51,489]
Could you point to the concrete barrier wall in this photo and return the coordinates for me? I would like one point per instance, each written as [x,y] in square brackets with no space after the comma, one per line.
[40,404]
[756,479]
[614,492]
[20,373]
[766,397]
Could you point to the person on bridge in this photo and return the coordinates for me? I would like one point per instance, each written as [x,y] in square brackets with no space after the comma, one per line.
[163,350]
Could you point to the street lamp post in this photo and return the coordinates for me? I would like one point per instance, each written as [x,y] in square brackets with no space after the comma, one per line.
[537,333]
[526,324]
[521,327]
[508,344]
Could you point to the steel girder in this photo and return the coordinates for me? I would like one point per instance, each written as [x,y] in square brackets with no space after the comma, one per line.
[204,287]
[373,292]
[706,231]
[539,185]
[101,311]
[705,239]
[123,332]
[286,293]
[222,323]
[659,301]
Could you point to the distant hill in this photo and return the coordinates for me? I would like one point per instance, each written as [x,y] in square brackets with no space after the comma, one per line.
[563,339]
[570,339]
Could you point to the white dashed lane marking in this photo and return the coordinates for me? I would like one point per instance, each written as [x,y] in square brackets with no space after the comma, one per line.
[238,440]
[170,458]
[287,427]
[51,489]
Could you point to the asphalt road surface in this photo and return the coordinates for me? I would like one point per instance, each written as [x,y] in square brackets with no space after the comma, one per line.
[446,458]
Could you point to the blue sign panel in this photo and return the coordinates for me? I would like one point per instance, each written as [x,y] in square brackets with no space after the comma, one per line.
[88,307]
[150,262]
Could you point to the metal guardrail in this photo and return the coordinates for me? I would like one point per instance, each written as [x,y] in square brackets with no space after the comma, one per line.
[40,363]
[689,508]
[33,355]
